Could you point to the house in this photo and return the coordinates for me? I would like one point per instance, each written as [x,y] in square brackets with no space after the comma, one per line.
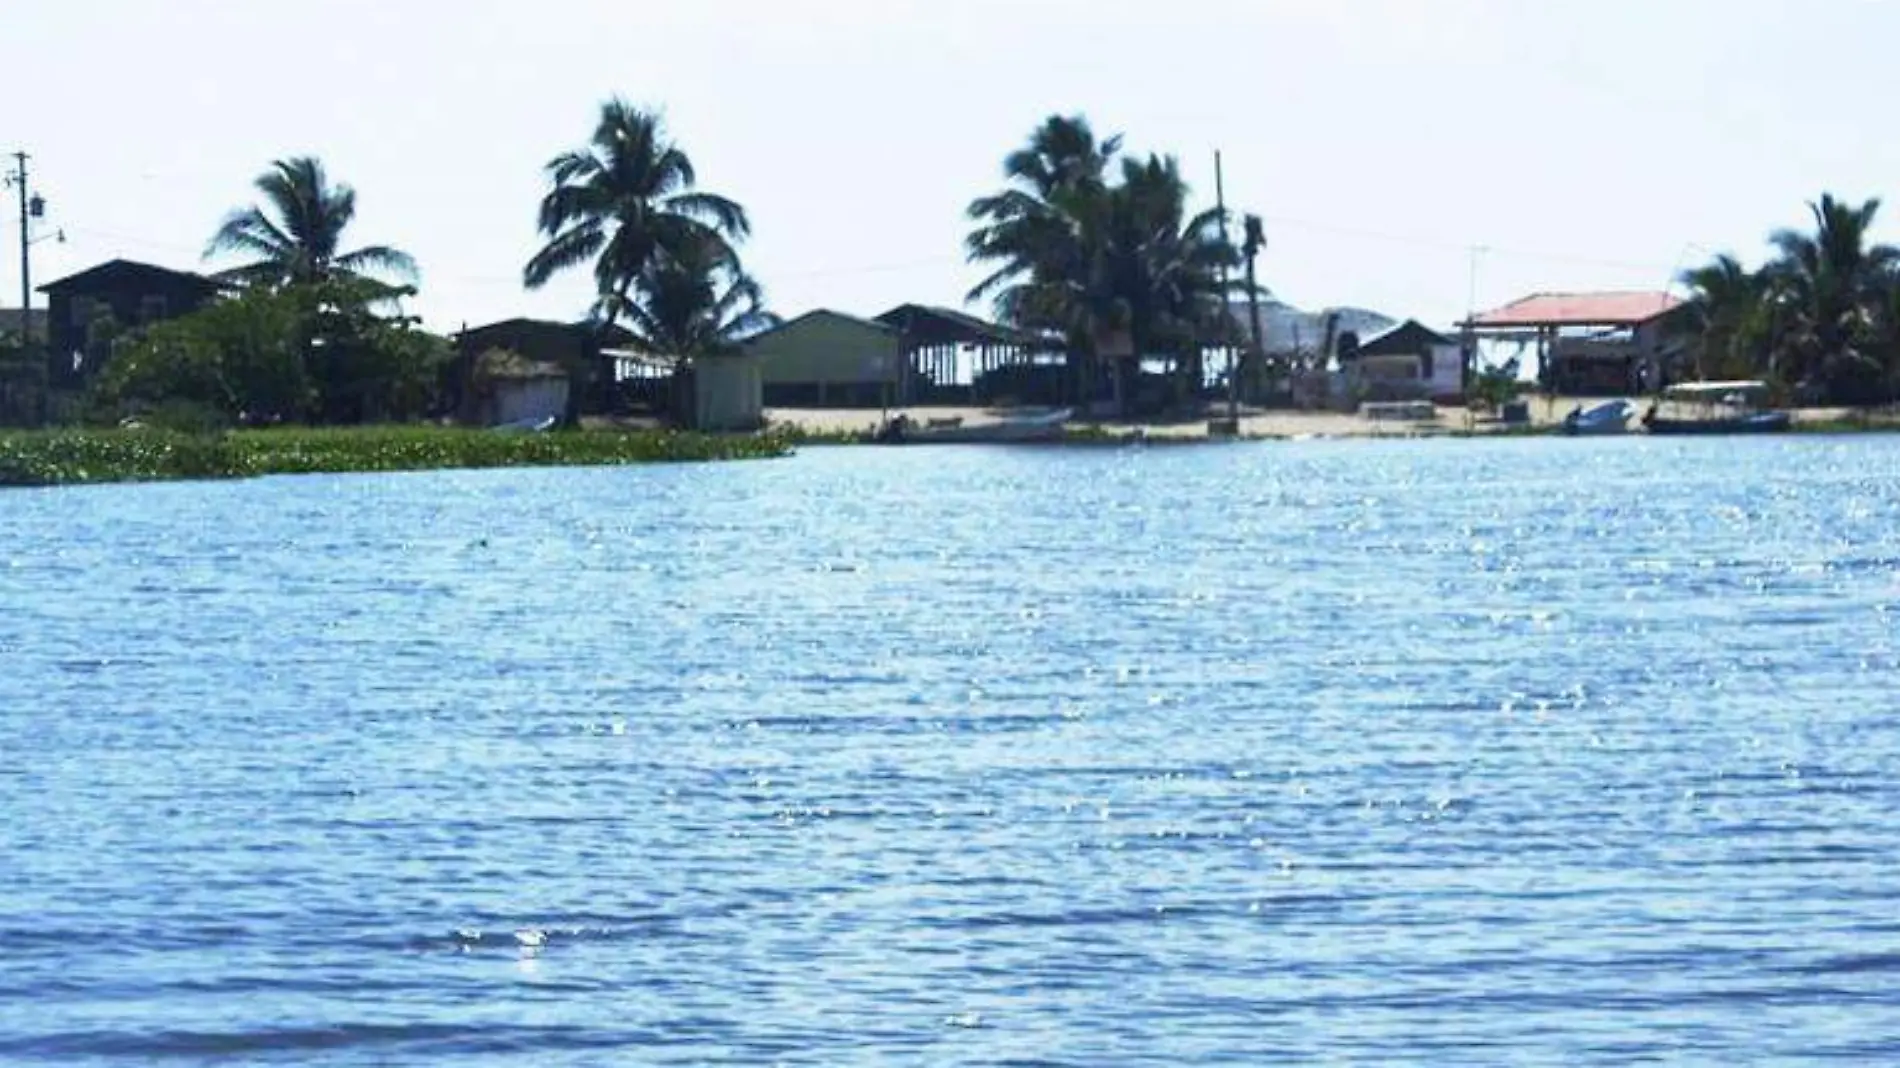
[1604,343]
[505,387]
[128,293]
[829,359]
[1409,361]
[567,346]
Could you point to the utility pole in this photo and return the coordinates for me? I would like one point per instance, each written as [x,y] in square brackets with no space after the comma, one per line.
[26,244]
[1469,348]
[32,206]
[1256,240]
[1233,361]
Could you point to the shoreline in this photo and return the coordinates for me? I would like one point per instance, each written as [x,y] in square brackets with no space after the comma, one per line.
[845,426]
[98,456]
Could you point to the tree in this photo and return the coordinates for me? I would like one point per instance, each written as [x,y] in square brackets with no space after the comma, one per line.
[694,303]
[1886,333]
[1168,266]
[234,357]
[1038,231]
[1730,315]
[303,244]
[1827,285]
[1101,261]
[314,352]
[626,202]
[691,306]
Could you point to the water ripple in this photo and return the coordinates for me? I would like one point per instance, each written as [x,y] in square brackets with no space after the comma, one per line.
[1528,752]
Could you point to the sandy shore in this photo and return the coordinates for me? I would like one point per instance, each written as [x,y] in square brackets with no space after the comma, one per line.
[1255,423]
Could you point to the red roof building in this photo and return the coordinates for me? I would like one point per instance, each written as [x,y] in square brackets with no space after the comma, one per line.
[1616,343]
[1569,310]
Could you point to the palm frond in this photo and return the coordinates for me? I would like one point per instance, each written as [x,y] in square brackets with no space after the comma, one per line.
[721,214]
[568,249]
[249,230]
[381,259]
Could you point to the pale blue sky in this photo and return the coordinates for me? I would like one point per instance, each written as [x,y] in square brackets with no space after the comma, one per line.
[1590,144]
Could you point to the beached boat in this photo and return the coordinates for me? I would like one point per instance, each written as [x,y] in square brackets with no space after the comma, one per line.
[1716,408]
[1610,418]
[1014,429]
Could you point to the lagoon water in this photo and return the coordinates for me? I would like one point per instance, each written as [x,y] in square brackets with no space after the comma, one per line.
[1528,752]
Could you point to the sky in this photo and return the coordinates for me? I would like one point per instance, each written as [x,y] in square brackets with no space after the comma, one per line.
[1419,158]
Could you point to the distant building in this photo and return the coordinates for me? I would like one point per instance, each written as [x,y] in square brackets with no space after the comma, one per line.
[728,392]
[723,392]
[1602,344]
[826,359]
[131,294]
[505,388]
[1409,361]
[952,357]
[568,346]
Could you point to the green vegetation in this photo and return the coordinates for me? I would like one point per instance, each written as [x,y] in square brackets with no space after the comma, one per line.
[306,334]
[664,253]
[1115,266]
[305,352]
[59,457]
[1821,318]
[1491,388]
[303,244]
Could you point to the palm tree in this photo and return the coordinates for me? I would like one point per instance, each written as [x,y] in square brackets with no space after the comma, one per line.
[303,243]
[692,306]
[1040,231]
[624,202]
[1829,282]
[1886,333]
[1730,314]
[695,303]
[1094,259]
[1169,266]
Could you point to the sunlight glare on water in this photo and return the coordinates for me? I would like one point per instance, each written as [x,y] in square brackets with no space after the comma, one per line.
[1536,752]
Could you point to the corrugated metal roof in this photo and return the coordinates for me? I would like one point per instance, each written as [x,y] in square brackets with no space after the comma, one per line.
[1409,338]
[1622,308]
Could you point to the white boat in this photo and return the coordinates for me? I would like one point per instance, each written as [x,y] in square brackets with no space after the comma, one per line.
[1610,418]
[1039,426]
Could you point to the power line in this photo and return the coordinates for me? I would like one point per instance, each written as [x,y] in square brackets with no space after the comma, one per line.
[1450,245]
[897,267]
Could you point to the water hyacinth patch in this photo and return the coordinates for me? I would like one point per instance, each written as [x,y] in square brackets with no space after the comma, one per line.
[63,457]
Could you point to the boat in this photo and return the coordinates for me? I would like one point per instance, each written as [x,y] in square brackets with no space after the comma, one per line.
[1751,423]
[1014,429]
[538,425]
[1716,408]
[1609,418]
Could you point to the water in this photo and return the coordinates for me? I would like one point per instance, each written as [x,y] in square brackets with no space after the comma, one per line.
[1536,752]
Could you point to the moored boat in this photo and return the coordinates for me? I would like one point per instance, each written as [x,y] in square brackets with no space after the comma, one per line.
[1014,429]
[1716,408]
[1752,423]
